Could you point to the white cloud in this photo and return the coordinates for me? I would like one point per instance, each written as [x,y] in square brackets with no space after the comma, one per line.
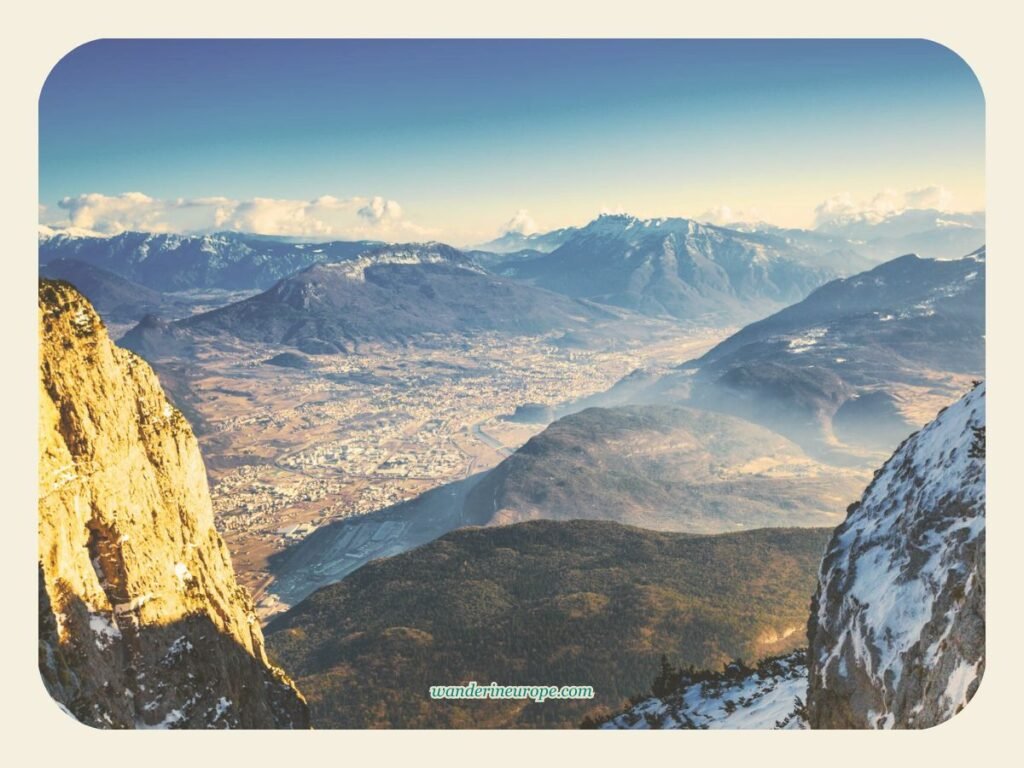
[321,217]
[111,214]
[841,210]
[522,223]
[378,210]
[935,196]
[269,216]
[724,214]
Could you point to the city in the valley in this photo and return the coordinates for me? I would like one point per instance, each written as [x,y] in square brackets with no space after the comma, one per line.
[289,450]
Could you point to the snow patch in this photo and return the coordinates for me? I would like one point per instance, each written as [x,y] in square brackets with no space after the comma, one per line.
[182,572]
[799,344]
[765,699]
[897,553]
[105,630]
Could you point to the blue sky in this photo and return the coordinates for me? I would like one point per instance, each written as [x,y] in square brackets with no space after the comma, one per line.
[455,140]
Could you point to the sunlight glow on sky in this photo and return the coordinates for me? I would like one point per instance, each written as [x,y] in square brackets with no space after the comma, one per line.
[455,140]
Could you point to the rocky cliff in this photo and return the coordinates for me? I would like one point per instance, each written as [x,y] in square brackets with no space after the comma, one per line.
[897,626]
[141,621]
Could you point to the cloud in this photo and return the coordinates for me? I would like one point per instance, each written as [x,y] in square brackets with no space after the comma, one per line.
[935,196]
[269,216]
[378,210]
[842,210]
[324,216]
[111,214]
[522,223]
[723,214]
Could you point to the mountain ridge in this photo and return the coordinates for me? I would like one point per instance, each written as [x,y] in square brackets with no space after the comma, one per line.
[392,293]
[172,262]
[897,625]
[665,468]
[673,266]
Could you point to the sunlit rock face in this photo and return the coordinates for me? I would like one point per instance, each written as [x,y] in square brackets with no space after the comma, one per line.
[142,623]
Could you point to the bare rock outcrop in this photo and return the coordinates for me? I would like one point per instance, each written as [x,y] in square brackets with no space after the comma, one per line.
[141,621]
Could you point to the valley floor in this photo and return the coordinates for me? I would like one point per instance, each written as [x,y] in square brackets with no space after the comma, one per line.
[290,451]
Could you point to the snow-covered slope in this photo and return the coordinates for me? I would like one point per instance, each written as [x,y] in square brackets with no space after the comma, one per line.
[769,697]
[897,629]
[544,242]
[408,254]
[170,262]
[674,267]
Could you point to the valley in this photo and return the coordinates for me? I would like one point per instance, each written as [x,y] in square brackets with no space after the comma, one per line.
[357,408]
[291,450]
[377,399]
[564,495]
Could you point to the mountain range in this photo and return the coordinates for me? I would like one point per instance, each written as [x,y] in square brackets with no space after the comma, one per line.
[858,359]
[391,293]
[928,232]
[240,261]
[848,372]
[838,243]
[537,242]
[170,262]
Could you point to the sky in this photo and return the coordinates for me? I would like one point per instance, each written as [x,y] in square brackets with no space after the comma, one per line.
[462,140]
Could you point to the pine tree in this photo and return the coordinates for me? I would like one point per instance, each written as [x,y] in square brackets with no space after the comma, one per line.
[978,446]
[667,677]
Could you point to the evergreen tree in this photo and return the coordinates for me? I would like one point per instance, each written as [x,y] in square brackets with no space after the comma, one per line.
[978,446]
[666,680]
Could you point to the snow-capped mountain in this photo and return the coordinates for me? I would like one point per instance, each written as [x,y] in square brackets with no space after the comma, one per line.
[543,242]
[67,233]
[674,267]
[897,628]
[391,293]
[915,221]
[409,255]
[928,232]
[168,262]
